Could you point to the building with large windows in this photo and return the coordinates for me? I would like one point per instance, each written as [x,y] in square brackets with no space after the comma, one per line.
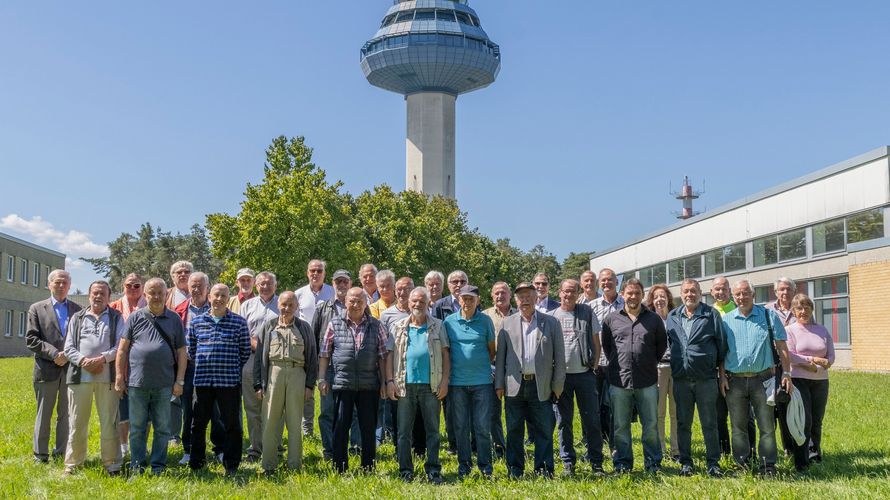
[829,231]
[24,268]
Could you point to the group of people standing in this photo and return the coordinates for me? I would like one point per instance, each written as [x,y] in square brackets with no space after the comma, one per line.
[388,357]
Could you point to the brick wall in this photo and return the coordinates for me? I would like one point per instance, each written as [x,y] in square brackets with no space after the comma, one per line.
[870,315]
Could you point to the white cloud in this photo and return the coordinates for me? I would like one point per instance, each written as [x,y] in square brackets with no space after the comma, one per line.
[76,243]
[71,264]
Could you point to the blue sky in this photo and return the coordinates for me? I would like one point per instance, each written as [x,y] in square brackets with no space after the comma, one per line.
[117,113]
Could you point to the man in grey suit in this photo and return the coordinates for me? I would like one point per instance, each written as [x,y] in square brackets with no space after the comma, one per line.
[530,370]
[47,324]
[543,302]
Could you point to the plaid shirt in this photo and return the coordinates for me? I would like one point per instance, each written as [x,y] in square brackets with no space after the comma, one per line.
[358,333]
[219,349]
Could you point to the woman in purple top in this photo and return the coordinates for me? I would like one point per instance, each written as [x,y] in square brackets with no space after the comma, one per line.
[812,352]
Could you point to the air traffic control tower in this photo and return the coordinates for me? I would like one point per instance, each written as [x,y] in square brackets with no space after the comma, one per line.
[430,51]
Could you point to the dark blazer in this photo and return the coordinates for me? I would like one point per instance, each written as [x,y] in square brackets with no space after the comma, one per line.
[44,338]
[444,307]
[261,362]
[697,356]
[551,306]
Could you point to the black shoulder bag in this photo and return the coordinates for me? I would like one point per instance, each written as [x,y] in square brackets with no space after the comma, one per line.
[169,342]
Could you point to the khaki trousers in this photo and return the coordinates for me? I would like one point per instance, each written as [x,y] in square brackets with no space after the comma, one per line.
[80,405]
[252,410]
[283,404]
[666,403]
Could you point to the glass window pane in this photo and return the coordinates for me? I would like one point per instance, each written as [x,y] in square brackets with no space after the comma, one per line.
[834,315]
[765,251]
[659,274]
[463,18]
[734,257]
[646,277]
[828,237]
[714,262]
[675,270]
[764,294]
[793,245]
[692,266]
[835,285]
[405,16]
[425,15]
[445,15]
[865,226]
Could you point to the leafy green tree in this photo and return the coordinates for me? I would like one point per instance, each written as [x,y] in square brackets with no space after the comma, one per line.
[575,264]
[151,252]
[294,215]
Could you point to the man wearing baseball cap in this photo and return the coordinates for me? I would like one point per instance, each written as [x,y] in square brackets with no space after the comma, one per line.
[245,278]
[472,339]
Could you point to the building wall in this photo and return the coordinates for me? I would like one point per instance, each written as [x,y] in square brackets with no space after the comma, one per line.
[15,297]
[869,317]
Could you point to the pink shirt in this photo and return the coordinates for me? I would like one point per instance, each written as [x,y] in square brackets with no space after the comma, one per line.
[806,341]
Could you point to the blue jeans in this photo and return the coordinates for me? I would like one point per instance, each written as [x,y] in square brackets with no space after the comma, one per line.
[522,408]
[745,393]
[646,400]
[149,405]
[326,422]
[472,402]
[418,397]
[701,394]
[583,387]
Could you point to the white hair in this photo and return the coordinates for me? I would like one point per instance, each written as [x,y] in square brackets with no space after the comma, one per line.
[58,272]
[324,264]
[268,274]
[434,274]
[386,274]
[787,281]
[424,290]
[458,272]
[367,266]
[203,277]
[181,264]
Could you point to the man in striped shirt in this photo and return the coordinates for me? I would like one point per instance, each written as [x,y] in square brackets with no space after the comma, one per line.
[219,344]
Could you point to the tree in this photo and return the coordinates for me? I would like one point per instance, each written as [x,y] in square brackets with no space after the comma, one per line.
[575,264]
[151,253]
[294,215]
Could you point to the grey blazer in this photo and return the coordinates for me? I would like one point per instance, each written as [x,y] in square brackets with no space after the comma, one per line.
[550,359]
[44,339]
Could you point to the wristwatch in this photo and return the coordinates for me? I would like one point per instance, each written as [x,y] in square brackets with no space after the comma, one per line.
[180,383]
[320,381]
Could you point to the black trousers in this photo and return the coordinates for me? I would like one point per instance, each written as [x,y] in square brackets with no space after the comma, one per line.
[229,401]
[365,403]
[814,394]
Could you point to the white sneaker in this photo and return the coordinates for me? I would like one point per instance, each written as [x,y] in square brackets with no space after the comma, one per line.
[185,459]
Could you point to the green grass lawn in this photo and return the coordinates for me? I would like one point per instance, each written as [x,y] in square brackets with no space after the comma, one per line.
[856,445]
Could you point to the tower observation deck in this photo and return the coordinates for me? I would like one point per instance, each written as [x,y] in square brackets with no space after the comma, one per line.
[430,51]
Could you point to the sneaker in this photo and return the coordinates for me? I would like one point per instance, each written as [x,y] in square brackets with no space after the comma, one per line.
[597,470]
[185,459]
[568,470]
[715,472]
[406,476]
[355,450]
[252,459]
[435,478]
[686,470]
[69,471]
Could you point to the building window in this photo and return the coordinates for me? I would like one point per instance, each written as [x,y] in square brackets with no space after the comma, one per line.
[24,272]
[463,18]
[764,294]
[7,325]
[21,324]
[690,267]
[35,279]
[865,226]
[766,251]
[446,15]
[835,285]
[10,268]
[828,237]
[425,15]
[834,315]
[46,270]
[405,17]
[653,275]
[793,245]
[734,258]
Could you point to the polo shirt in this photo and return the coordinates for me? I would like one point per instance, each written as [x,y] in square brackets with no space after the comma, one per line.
[725,308]
[747,338]
[417,356]
[308,300]
[151,361]
[469,339]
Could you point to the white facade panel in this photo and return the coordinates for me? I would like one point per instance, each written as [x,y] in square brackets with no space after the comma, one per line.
[849,190]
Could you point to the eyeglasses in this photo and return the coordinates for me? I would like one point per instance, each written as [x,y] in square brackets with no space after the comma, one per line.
[134,286]
[457,282]
[316,271]
[542,283]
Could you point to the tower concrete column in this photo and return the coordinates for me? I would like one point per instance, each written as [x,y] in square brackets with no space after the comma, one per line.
[430,143]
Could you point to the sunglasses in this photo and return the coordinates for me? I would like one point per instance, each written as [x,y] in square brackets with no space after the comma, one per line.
[133,286]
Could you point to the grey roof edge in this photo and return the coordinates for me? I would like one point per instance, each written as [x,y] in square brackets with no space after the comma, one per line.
[31,245]
[850,163]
